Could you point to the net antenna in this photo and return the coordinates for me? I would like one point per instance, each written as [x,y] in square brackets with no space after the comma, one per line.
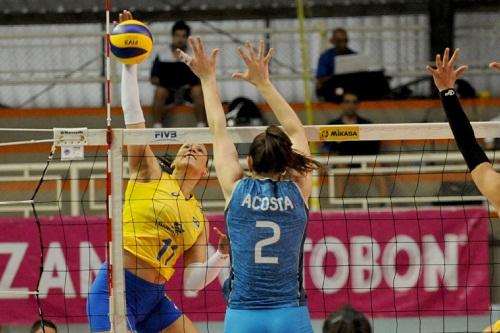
[117,312]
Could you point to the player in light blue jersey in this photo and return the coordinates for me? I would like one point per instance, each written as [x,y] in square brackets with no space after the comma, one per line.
[266,214]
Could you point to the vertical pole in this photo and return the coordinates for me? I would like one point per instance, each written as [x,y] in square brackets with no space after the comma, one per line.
[441,21]
[305,63]
[118,320]
[109,141]
[108,67]
[114,191]
[314,200]
[109,192]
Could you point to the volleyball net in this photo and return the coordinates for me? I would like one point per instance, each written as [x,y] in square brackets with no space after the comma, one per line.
[400,234]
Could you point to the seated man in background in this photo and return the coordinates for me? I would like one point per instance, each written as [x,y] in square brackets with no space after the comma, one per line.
[350,106]
[340,69]
[47,327]
[175,82]
[326,63]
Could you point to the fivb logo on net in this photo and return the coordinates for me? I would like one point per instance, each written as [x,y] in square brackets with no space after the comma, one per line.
[165,135]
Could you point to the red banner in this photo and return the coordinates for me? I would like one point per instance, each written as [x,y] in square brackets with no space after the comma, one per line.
[402,263]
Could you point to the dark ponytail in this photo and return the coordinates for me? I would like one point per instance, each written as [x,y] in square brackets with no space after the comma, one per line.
[272,151]
[346,320]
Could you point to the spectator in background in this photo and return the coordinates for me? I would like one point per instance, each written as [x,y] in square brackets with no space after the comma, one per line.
[346,320]
[175,83]
[326,63]
[45,326]
[350,106]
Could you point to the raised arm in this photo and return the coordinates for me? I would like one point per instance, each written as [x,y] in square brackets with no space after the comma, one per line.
[226,159]
[257,73]
[142,162]
[483,174]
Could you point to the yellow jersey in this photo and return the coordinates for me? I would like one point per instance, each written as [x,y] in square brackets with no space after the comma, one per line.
[159,223]
[495,328]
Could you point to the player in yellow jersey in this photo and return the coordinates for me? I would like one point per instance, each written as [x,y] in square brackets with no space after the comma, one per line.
[162,220]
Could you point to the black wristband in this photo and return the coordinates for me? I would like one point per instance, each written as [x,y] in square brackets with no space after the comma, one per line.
[462,130]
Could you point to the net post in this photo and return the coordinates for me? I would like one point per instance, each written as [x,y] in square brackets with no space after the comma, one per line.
[117,293]
[314,199]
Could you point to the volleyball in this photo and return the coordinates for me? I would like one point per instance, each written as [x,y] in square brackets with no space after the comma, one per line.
[131,42]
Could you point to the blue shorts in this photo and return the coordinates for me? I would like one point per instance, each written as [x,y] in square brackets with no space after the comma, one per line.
[149,310]
[282,320]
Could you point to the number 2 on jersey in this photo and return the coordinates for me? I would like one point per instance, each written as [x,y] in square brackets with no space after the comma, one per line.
[259,259]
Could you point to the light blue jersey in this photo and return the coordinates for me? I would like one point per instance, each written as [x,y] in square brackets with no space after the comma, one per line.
[266,222]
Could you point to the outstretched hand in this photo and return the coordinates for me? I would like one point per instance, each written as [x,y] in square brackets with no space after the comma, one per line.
[257,71]
[125,16]
[202,64]
[445,73]
[223,242]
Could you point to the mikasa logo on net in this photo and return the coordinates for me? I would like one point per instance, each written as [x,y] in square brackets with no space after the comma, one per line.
[339,133]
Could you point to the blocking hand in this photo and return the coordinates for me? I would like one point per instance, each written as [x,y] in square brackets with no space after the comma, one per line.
[445,75]
[257,71]
[202,64]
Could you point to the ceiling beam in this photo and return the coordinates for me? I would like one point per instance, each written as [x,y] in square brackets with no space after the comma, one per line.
[317,10]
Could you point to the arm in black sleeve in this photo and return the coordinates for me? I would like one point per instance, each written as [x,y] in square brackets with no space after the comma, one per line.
[462,130]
